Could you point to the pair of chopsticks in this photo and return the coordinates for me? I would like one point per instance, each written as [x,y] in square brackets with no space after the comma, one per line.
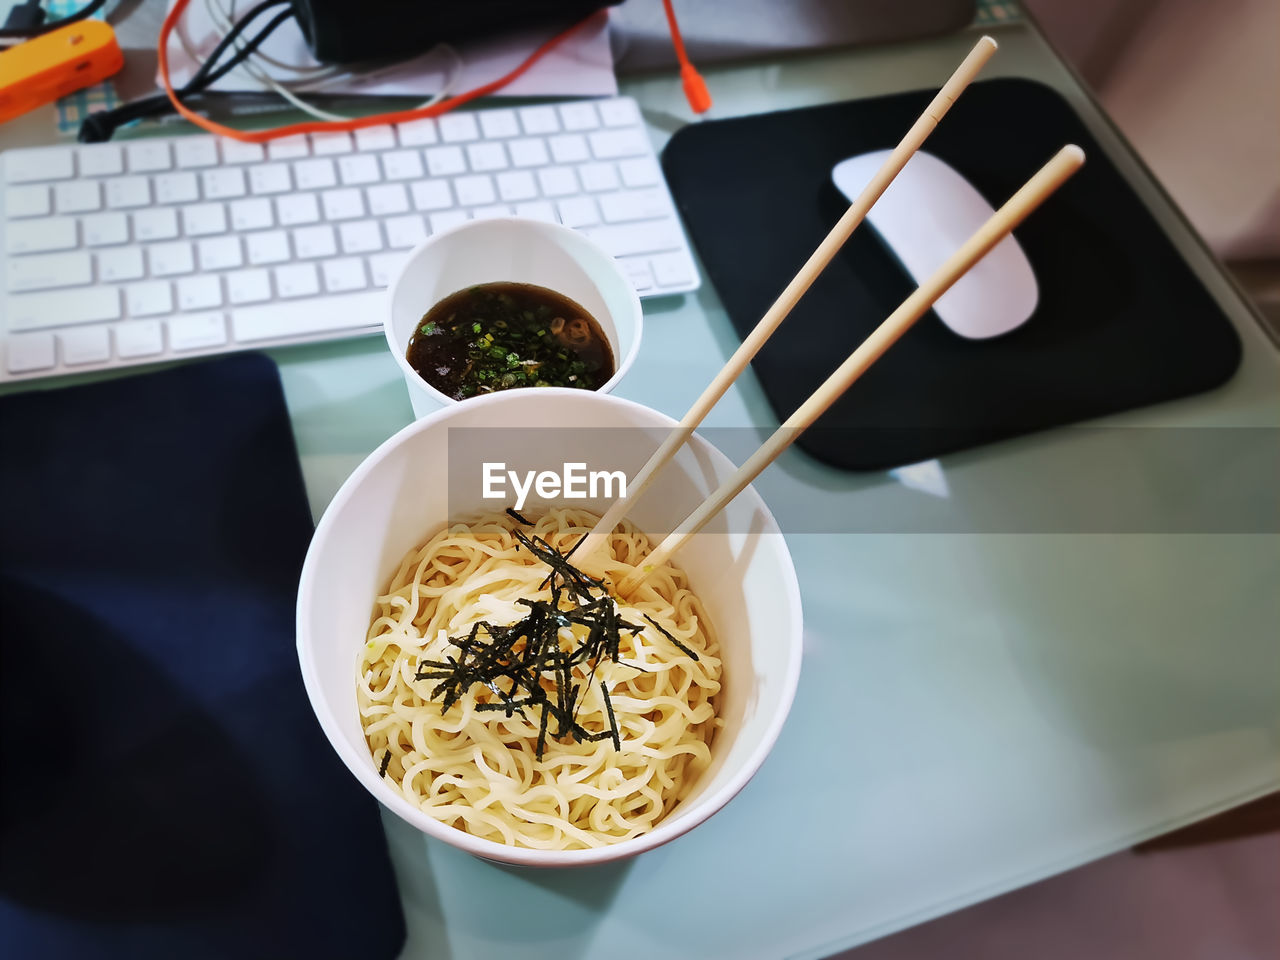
[1034,192]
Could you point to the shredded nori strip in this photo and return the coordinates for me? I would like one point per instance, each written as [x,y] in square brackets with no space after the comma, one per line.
[659,628]
[386,762]
[515,516]
[513,662]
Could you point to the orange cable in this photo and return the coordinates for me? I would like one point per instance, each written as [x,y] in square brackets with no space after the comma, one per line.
[695,88]
[319,126]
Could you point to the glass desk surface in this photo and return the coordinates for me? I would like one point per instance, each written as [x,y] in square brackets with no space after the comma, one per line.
[976,710]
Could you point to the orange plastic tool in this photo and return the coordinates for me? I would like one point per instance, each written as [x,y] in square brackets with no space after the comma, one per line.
[60,62]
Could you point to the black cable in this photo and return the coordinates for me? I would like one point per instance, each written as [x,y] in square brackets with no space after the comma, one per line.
[232,35]
[100,127]
[31,17]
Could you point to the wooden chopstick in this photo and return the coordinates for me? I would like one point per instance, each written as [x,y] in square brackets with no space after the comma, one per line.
[1034,192]
[798,286]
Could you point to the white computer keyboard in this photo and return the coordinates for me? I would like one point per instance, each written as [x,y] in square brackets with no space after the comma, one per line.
[153,249]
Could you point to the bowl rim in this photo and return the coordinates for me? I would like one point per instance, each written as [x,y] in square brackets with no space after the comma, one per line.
[360,763]
[412,376]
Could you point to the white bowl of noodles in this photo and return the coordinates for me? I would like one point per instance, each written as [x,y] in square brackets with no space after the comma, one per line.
[391,582]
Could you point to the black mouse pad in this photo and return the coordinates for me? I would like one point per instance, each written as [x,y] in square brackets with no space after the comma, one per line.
[1121,320]
[165,790]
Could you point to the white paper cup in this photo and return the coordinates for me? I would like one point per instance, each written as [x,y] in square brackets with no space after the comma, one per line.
[514,250]
[740,569]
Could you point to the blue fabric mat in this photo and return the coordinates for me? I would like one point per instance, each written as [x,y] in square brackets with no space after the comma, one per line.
[165,790]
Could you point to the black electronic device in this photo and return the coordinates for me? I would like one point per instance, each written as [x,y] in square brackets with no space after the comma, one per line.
[1122,320]
[339,31]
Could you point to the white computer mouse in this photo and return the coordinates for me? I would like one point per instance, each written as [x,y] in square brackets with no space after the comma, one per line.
[925,214]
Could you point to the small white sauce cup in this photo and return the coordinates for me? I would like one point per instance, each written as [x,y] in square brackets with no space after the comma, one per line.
[513,250]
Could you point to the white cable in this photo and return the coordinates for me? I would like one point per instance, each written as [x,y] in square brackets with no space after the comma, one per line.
[223,20]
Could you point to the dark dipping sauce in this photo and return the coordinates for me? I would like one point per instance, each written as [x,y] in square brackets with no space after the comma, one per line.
[497,336]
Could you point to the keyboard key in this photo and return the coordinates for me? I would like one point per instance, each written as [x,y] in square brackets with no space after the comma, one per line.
[528,153]
[358,169]
[499,123]
[223,183]
[578,212]
[139,338]
[268,178]
[30,201]
[330,144]
[641,172]
[177,187]
[171,259]
[289,148]
[484,157]
[315,174]
[158,223]
[638,272]
[611,144]
[557,181]
[405,232]
[149,299]
[633,205]
[474,190]
[517,185]
[32,166]
[431,195]
[419,133]
[104,229]
[199,293]
[252,214]
[198,331]
[598,176]
[59,308]
[85,345]
[40,236]
[28,352]
[127,192]
[312,242]
[579,116]
[280,320]
[77,196]
[202,219]
[623,240]
[361,237]
[233,151]
[220,253]
[672,270]
[386,199]
[297,280]
[445,161]
[537,210]
[269,247]
[148,156]
[490,211]
[192,152]
[569,148]
[458,127]
[619,113]
[341,276]
[248,286]
[402,165]
[383,267]
[100,160]
[342,204]
[297,208]
[372,139]
[539,120]
[446,219]
[116,264]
